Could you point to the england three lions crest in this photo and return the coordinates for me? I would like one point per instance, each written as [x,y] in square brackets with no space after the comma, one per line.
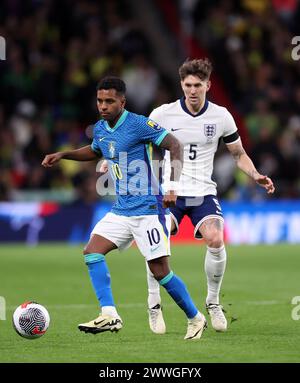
[210,131]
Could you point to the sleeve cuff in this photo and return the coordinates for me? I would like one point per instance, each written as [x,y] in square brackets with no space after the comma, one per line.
[98,152]
[161,137]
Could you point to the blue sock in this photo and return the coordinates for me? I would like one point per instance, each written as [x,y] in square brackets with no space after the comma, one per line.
[178,291]
[100,278]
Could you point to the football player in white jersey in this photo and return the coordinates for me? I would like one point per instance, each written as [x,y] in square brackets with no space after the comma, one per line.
[199,125]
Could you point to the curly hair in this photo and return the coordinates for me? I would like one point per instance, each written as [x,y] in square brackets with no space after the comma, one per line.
[112,82]
[197,67]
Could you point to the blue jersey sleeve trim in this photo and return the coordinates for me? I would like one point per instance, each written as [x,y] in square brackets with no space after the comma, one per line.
[97,151]
[161,137]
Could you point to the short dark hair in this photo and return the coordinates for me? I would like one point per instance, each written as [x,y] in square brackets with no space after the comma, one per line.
[197,67]
[112,82]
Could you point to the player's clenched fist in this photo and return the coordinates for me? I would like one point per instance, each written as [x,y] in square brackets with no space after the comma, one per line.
[169,199]
[104,167]
[51,159]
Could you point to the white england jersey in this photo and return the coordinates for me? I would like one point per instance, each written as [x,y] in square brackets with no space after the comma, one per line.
[200,135]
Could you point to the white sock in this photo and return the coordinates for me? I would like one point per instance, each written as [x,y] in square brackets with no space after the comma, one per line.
[215,263]
[198,316]
[110,310]
[153,289]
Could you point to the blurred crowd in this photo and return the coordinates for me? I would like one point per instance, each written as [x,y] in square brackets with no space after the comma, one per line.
[58,50]
[251,44]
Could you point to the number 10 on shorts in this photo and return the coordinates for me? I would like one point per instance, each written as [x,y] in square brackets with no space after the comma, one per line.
[153,236]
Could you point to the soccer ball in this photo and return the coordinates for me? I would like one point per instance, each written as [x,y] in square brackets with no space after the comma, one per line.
[31,320]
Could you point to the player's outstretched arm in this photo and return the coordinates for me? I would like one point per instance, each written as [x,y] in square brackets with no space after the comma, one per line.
[83,154]
[245,163]
[176,156]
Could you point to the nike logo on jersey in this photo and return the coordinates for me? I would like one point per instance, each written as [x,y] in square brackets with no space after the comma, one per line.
[101,139]
[174,130]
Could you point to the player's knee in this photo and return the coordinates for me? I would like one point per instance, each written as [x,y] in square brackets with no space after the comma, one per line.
[159,268]
[158,271]
[159,275]
[215,242]
[88,250]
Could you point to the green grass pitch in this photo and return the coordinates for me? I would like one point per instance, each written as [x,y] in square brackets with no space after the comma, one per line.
[257,293]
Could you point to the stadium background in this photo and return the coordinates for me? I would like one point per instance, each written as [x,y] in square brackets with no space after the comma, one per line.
[56,51]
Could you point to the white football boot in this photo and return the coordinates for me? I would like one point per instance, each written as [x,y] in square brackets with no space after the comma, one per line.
[156,320]
[196,327]
[217,317]
[101,324]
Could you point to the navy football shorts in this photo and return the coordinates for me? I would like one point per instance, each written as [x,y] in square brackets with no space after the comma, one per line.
[198,209]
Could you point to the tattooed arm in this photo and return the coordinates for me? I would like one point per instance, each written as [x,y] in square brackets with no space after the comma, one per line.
[245,163]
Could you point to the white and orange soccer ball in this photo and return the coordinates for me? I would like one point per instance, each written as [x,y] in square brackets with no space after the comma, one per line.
[31,320]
